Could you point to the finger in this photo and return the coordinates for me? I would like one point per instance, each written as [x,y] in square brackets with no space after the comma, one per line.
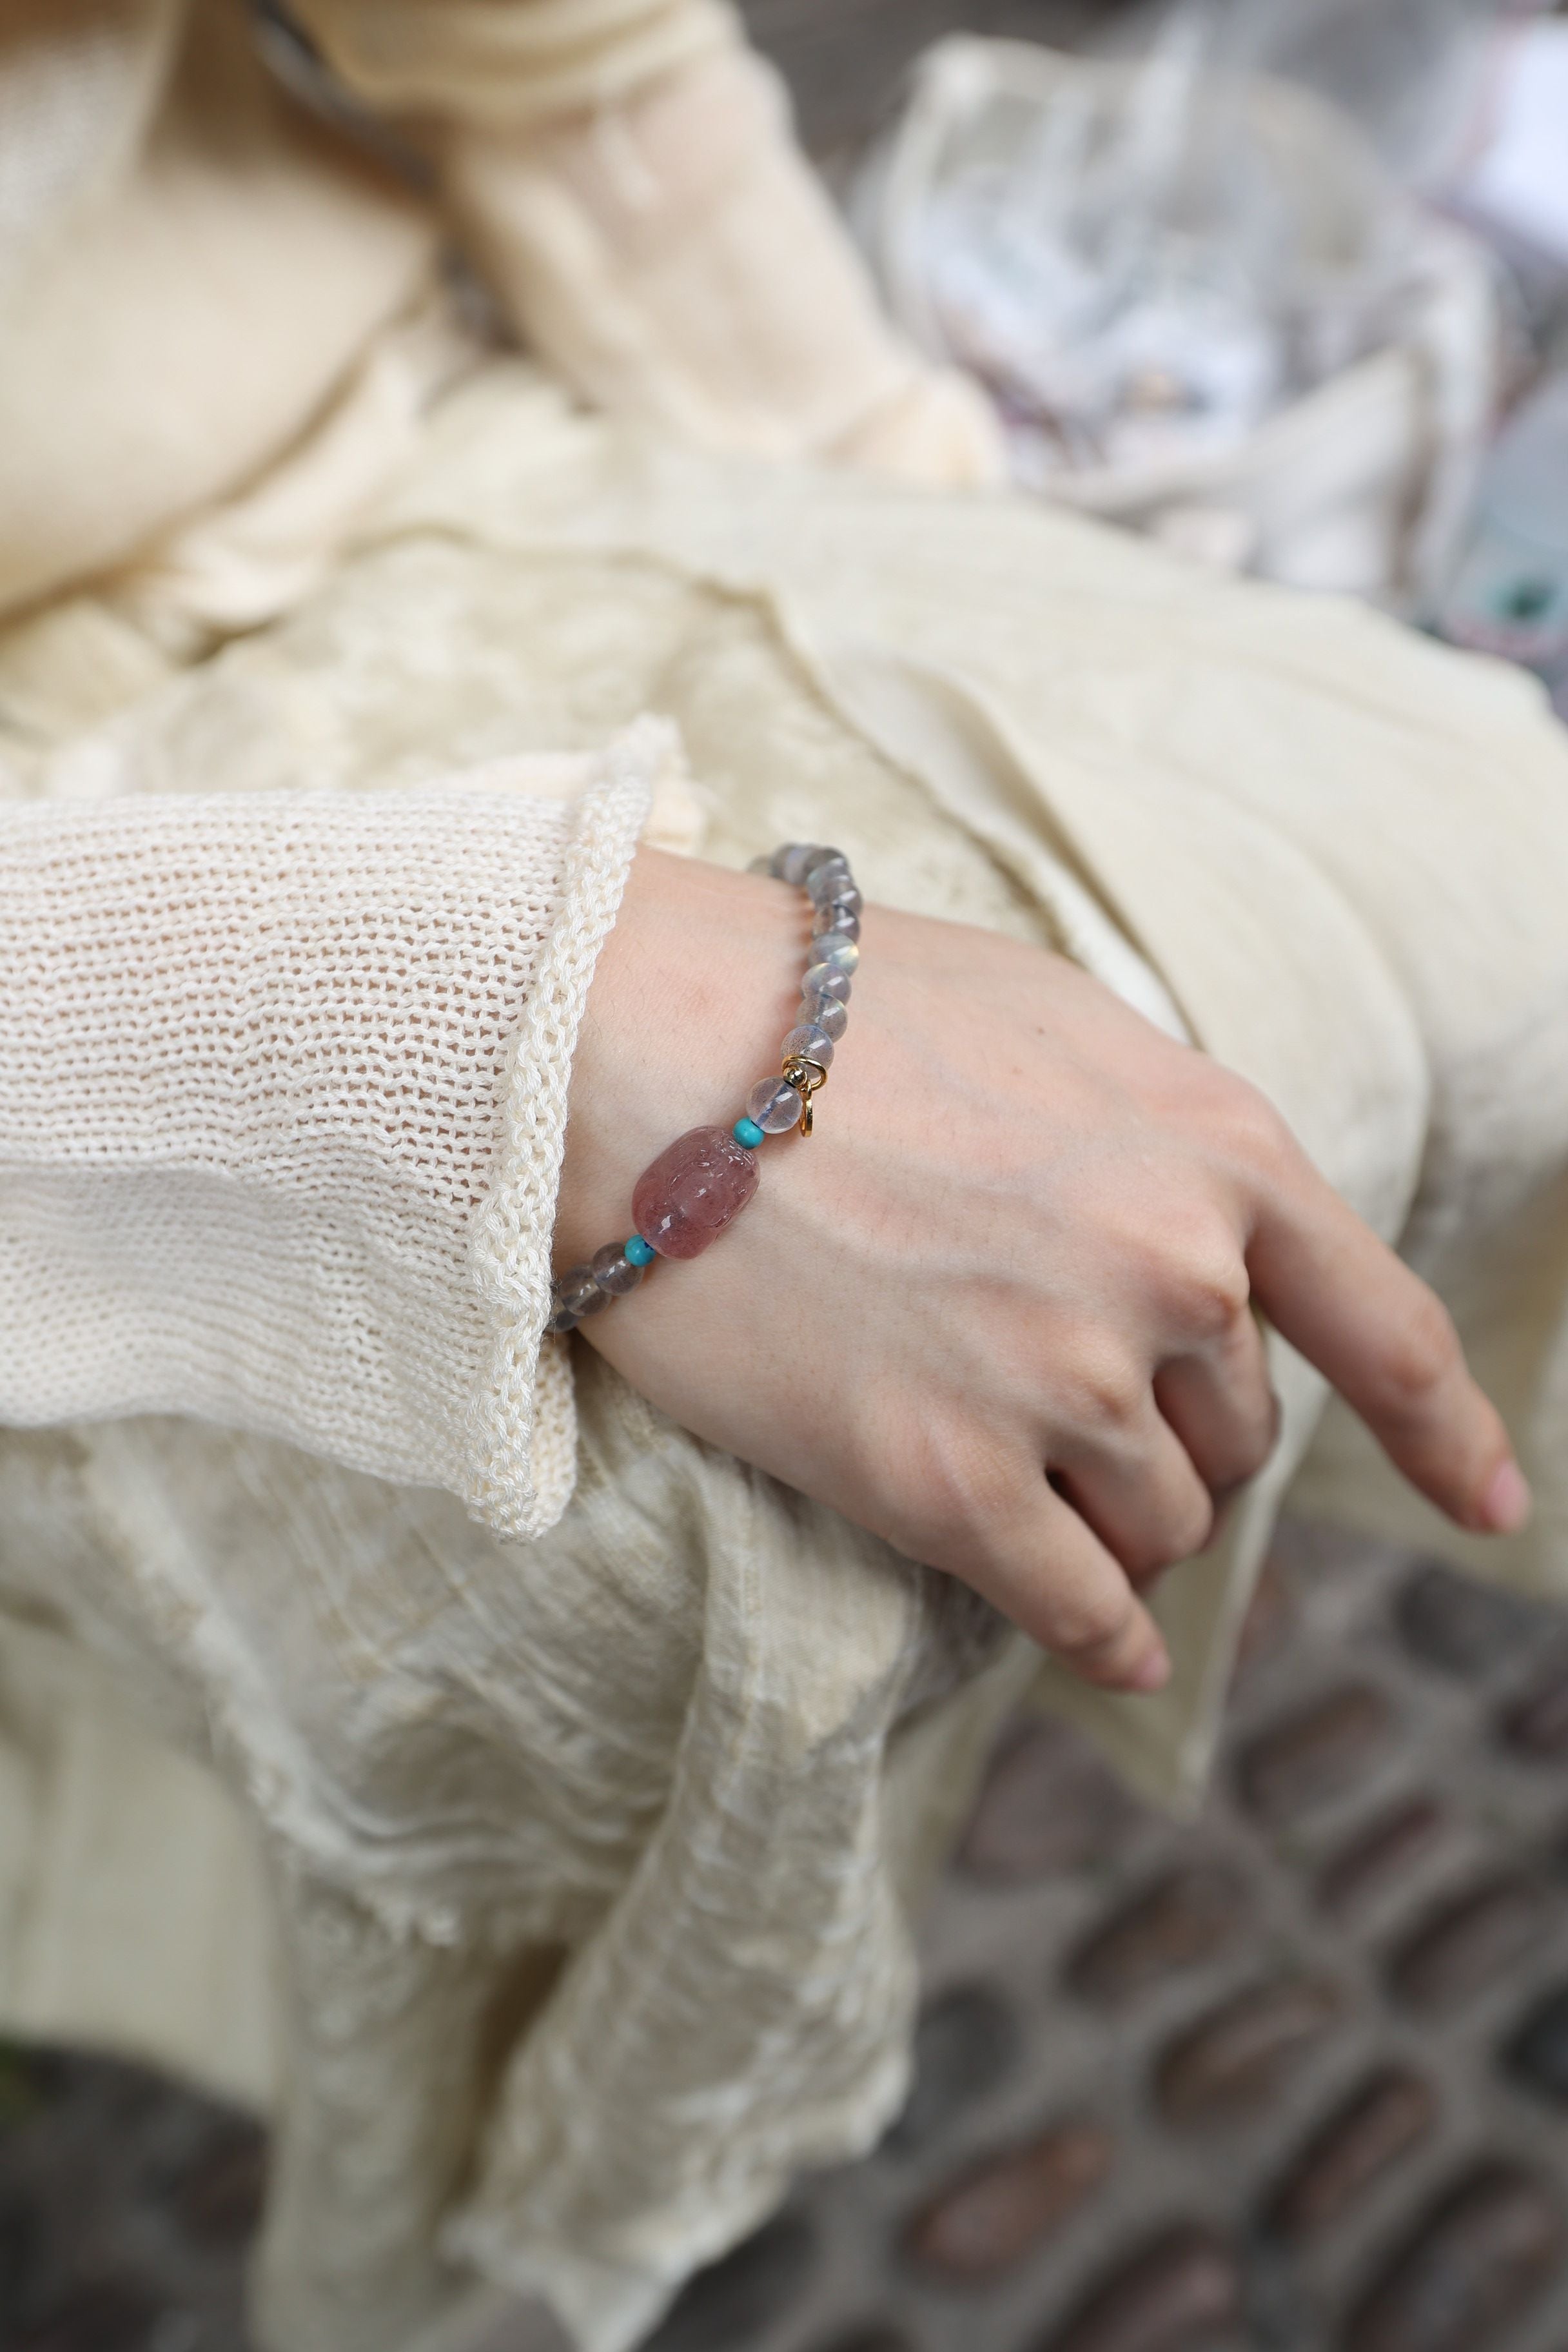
[1048,1571]
[1386,1343]
[1221,1407]
[1136,1488]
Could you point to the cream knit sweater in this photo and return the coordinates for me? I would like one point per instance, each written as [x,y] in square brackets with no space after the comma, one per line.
[621,170]
[285,1096]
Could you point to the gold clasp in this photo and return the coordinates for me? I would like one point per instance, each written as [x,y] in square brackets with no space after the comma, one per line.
[806,1077]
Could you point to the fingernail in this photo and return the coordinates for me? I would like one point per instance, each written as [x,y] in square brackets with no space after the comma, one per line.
[1506,1504]
[1154,1673]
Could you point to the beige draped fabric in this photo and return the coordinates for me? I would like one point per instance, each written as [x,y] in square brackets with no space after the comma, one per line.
[193,263]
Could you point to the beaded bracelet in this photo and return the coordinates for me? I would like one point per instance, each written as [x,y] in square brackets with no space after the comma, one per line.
[686,1197]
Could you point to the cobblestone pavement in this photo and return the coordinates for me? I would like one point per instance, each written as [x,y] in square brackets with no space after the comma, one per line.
[126,2209]
[1294,2077]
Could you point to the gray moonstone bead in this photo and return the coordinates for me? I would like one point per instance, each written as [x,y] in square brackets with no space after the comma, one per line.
[574,1298]
[834,921]
[812,1044]
[834,952]
[825,1012]
[815,980]
[774,1105]
[789,862]
[828,880]
[847,901]
[614,1272]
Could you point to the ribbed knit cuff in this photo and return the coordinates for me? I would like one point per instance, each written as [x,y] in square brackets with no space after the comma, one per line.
[522,1427]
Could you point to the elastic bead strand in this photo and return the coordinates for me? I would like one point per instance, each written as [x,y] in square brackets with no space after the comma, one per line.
[823,1012]
[775,1105]
[836,949]
[807,1043]
[706,1177]
[835,922]
[614,1272]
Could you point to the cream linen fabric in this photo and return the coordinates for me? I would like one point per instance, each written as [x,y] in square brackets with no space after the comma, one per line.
[192,268]
[677,262]
[189,266]
[590,1861]
[623,171]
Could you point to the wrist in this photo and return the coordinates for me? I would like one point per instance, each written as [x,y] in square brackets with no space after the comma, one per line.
[693,989]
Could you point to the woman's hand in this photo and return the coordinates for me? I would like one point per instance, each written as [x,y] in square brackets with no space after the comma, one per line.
[998,1309]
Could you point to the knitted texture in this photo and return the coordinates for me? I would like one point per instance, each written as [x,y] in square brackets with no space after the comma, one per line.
[514,65]
[511,1271]
[264,1061]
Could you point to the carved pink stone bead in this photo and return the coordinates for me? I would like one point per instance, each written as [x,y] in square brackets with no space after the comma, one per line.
[691,1193]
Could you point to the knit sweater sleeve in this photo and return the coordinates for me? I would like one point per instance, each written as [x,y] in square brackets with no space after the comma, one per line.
[512,63]
[625,174]
[283,1088]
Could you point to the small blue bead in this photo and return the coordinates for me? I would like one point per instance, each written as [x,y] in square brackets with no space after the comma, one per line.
[639,1252]
[748,1132]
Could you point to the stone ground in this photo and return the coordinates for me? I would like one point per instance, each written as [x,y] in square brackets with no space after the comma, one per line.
[1293,2077]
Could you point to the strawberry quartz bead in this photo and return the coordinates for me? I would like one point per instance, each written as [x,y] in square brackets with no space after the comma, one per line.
[688,1194]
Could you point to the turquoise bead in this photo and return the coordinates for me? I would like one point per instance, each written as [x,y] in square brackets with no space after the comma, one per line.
[748,1132]
[639,1252]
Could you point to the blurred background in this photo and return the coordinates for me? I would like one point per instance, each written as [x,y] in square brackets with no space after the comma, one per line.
[1284,284]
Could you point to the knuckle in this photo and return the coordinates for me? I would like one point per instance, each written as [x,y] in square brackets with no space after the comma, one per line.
[1212,1293]
[1420,1353]
[1184,1532]
[1193,1524]
[1254,1129]
[1086,1624]
[1104,1391]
